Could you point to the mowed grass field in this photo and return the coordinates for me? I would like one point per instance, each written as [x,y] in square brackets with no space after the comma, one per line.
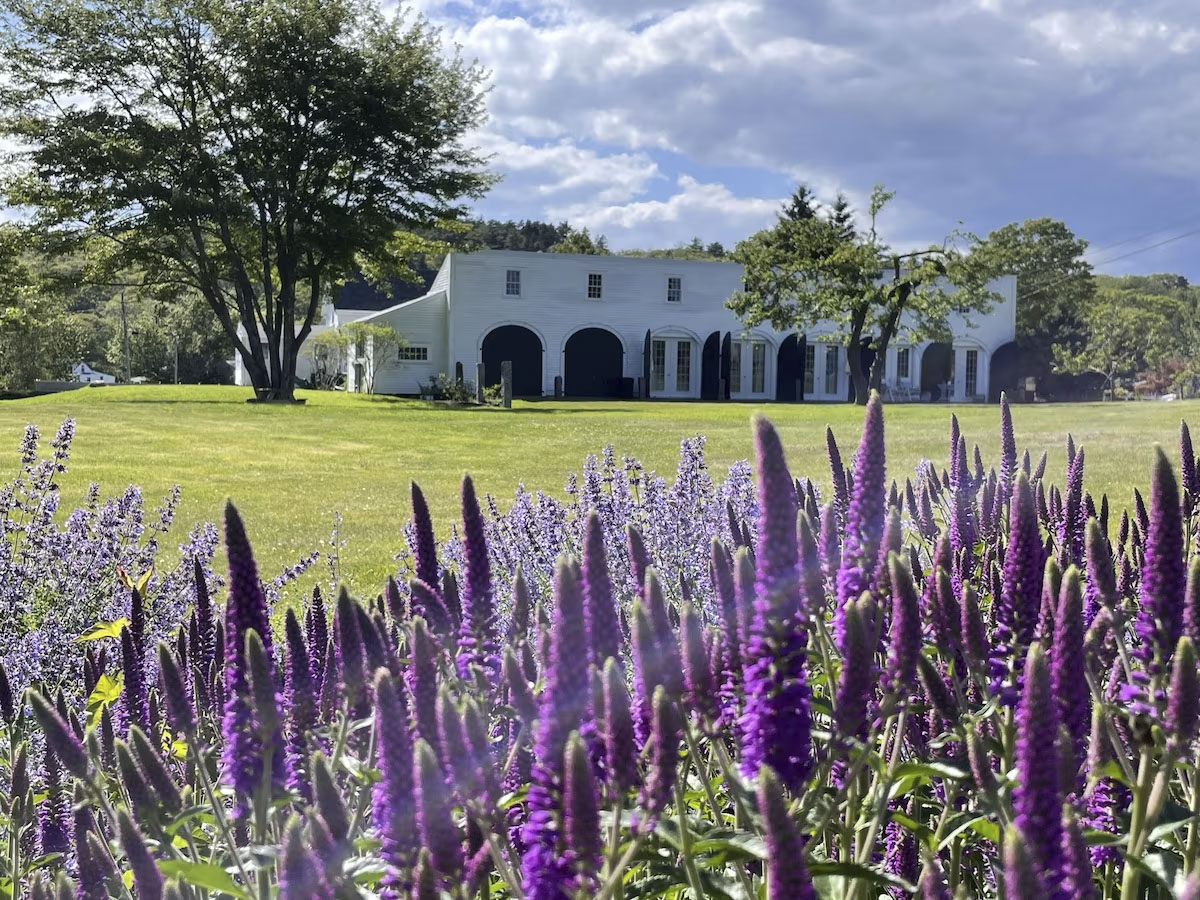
[291,468]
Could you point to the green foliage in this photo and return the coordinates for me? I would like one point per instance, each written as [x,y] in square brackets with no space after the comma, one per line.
[695,249]
[581,242]
[450,390]
[1137,328]
[1054,282]
[375,344]
[813,266]
[327,352]
[256,155]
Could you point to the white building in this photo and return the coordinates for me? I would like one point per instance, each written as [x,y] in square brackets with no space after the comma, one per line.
[86,374]
[607,325]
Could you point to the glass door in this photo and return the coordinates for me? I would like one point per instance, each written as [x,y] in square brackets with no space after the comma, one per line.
[672,367]
[748,370]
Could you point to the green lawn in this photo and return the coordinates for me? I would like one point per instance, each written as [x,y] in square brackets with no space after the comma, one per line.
[290,469]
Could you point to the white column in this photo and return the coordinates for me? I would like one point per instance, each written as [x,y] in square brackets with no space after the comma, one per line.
[960,374]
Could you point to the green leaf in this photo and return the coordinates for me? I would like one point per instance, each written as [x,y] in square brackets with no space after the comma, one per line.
[986,828]
[856,872]
[106,692]
[931,769]
[202,875]
[104,630]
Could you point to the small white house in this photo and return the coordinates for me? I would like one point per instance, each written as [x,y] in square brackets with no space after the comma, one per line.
[84,373]
[611,326]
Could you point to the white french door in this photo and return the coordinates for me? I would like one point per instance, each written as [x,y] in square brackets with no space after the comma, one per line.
[748,370]
[674,366]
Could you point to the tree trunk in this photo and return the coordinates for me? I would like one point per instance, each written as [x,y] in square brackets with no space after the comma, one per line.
[854,357]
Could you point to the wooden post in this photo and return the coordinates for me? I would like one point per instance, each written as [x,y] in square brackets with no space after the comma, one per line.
[506,382]
[479,374]
[721,389]
[558,390]
[458,373]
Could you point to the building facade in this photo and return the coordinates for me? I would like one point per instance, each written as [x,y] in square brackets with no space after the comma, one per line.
[619,326]
[613,326]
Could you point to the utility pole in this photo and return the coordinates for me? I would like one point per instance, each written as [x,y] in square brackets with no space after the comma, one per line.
[125,339]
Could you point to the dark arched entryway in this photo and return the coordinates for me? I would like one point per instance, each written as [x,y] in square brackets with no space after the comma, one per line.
[937,368]
[1004,373]
[789,369]
[710,368]
[593,362]
[520,346]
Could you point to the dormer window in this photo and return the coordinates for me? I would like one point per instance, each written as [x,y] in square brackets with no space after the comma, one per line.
[674,289]
[512,283]
[594,286]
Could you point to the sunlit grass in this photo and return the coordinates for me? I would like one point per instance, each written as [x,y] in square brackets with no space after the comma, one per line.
[291,468]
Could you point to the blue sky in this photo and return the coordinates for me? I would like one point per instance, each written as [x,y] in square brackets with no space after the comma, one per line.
[653,121]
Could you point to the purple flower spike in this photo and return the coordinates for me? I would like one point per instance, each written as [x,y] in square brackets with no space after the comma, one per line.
[133,693]
[841,494]
[428,604]
[604,630]
[1187,463]
[54,813]
[392,799]
[701,689]
[566,696]
[1067,661]
[1101,590]
[205,621]
[423,683]
[812,582]
[477,636]
[1016,611]
[1023,876]
[864,518]
[147,880]
[436,825]
[425,548]
[60,737]
[300,702]
[180,712]
[830,543]
[352,655]
[904,645]
[1037,795]
[1163,584]
[778,554]
[1191,620]
[7,708]
[1008,447]
[787,876]
[1071,528]
[581,816]
[857,676]
[639,558]
[1183,704]
[743,586]
[620,744]
[300,875]
[975,642]
[1077,867]
[663,762]
[932,885]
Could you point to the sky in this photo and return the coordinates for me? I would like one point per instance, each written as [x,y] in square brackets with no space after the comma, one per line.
[654,121]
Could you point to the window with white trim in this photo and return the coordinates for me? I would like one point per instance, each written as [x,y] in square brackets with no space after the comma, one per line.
[810,368]
[414,354]
[831,368]
[658,365]
[902,362]
[512,283]
[674,289]
[758,367]
[683,366]
[594,285]
[972,373]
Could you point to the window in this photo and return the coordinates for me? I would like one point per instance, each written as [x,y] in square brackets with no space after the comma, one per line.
[735,366]
[674,289]
[658,365]
[683,366]
[831,368]
[758,367]
[902,362]
[972,372]
[810,368]
[593,285]
[414,354]
[512,283]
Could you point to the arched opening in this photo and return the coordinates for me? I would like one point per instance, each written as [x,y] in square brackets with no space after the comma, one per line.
[788,369]
[710,367]
[937,370]
[593,362]
[1004,373]
[520,346]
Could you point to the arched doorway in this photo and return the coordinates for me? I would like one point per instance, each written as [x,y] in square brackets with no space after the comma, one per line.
[937,370]
[710,367]
[520,346]
[1005,372]
[593,364]
[788,369]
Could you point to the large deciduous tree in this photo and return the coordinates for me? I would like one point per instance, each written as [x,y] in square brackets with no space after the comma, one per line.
[814,266]
[1055,286]
[258,153]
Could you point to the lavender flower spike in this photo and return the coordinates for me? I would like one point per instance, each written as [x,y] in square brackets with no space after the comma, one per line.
[904,645]
[1008,447]
[477,636]
[1022,875]
[1187,463]
[787,876]
[300,876]
[59,736]
[864,517]
[604,630]
[1183,704]
[392,800]
[1016,609]
[425,548]
[581,815]
[1191,620]
[147,880]
[1037,795]
[1067,661]
[1163,585]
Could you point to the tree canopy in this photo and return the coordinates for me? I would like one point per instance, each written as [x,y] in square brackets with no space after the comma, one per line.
[814,266]
[258,155]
